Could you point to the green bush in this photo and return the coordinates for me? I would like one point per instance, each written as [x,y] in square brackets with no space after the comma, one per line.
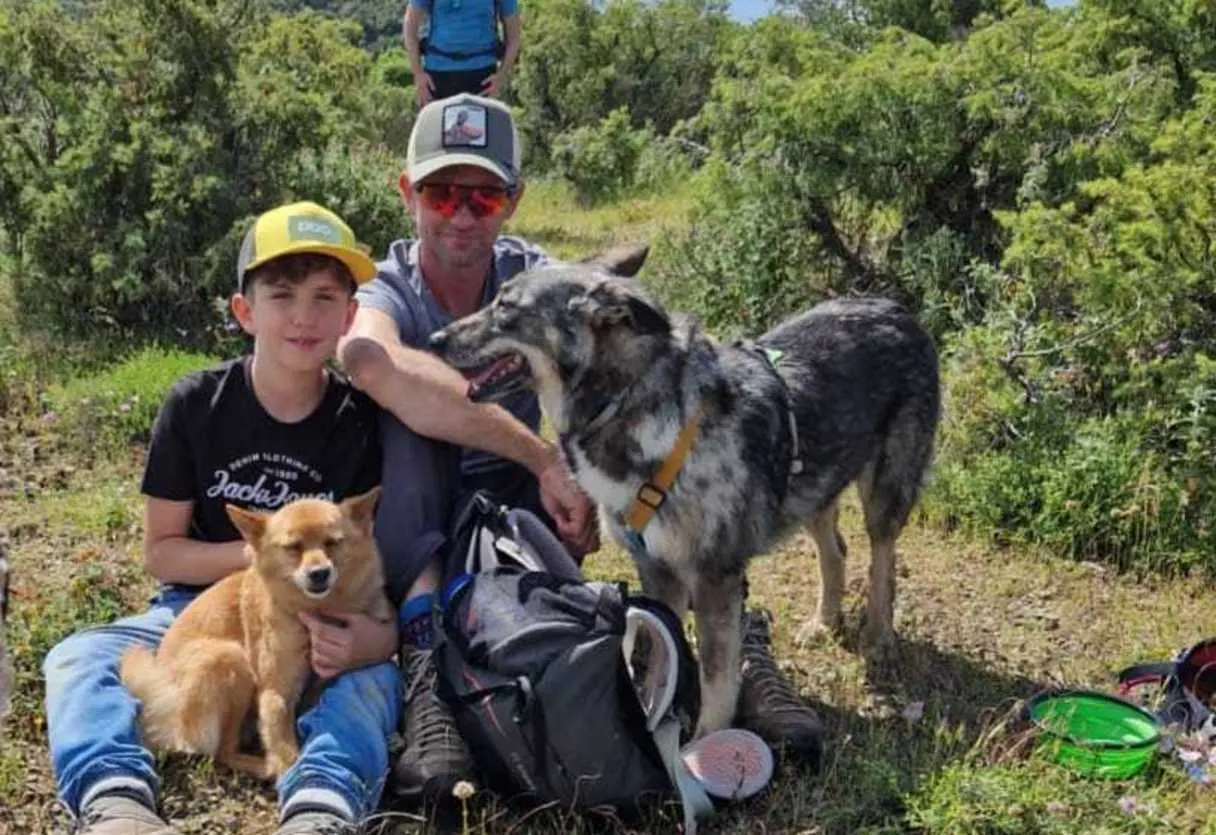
[1100,488]
[110,410]
[171,125]
[581,61]
[612,159]
[1102,495]
[743,264]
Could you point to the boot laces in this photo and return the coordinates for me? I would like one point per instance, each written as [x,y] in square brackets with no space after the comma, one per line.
[430,728]
[772,689]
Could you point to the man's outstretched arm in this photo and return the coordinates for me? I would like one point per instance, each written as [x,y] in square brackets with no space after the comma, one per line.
[431,398]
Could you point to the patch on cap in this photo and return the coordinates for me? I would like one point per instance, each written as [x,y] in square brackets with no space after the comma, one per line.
[464,126]
[305,228]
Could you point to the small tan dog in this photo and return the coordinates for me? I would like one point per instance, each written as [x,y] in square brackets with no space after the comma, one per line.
[241,644]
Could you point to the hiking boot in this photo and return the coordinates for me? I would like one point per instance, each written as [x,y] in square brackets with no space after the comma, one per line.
[435,758]
[316,823]
[120,813]
[768,704]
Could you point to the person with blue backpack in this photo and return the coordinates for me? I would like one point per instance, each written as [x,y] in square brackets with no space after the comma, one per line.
[460,46]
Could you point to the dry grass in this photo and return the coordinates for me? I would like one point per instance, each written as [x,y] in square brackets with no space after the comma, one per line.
[980,630]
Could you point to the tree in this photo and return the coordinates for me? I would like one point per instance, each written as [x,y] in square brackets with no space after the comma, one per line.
[580,63]
[146,133]
[936,20]
[380,20]
[911,144]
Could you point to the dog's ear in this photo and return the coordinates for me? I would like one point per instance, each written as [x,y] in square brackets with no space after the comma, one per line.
[361,509]
[251,523]
[612,303]
[624,260]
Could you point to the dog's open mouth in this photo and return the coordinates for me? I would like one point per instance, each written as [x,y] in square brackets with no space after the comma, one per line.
[503,375]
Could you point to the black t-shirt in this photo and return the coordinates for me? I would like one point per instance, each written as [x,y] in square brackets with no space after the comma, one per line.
[214,444]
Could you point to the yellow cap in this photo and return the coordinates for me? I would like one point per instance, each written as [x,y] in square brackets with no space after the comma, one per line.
[302,227]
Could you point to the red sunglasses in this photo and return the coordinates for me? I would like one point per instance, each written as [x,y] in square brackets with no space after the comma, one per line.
[447,198]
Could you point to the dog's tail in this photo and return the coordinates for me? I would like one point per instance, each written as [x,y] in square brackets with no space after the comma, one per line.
[153,685]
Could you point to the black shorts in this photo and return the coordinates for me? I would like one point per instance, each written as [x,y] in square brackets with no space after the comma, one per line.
[445,83]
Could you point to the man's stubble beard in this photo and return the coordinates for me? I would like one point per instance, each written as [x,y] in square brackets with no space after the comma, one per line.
[462,259]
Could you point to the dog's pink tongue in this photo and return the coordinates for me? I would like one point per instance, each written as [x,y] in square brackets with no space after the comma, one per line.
[477,379]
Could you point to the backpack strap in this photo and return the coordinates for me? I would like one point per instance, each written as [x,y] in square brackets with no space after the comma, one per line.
[1138,674]
[533,536]
[659,683]
[1179,705]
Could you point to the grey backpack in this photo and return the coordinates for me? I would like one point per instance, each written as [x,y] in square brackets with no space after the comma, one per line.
[567,692]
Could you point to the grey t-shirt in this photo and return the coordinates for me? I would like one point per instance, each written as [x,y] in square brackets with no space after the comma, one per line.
[421,476]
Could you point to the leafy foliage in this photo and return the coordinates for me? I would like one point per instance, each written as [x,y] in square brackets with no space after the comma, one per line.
[1035,183]
[106,412]
[379,19]
[1038,192]
[582,62]
[612,159]
[146,134]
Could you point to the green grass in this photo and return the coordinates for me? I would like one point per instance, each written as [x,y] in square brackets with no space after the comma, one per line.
[981,628]
[1037,796]
[550,216]
[108,410]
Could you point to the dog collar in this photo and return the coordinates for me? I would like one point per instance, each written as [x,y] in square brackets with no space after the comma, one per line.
[653,493]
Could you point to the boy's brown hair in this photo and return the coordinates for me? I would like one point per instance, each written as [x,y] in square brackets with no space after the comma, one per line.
[296,267]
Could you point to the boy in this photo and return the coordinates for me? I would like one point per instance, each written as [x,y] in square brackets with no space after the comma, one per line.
[258,431]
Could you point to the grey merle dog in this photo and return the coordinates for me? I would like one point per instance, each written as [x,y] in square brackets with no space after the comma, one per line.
[846,392]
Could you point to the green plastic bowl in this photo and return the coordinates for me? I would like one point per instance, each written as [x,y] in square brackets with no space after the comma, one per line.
[1094,733]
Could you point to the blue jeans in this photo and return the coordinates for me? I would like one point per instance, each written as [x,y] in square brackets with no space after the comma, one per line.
[94,735]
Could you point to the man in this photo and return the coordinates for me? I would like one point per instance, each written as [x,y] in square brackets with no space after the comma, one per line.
[461,184]
[461,51]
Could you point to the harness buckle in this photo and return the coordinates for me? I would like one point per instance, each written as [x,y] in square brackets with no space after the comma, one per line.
[651,496]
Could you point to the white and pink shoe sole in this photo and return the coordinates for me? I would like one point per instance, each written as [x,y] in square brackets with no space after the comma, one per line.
[731,764]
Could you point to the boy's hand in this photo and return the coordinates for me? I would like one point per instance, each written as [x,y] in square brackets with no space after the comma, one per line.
[347,641]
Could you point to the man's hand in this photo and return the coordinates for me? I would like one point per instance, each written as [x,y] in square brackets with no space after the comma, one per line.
[423,88]
[570,508]
[493,85]
[338,643]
